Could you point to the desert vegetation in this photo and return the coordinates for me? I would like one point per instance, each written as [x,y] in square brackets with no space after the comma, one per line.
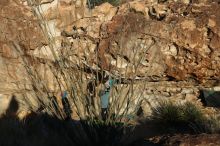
[44,129]
[93,102]
[183,118]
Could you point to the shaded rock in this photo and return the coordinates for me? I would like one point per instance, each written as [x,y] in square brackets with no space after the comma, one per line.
[199,140]
[151,41]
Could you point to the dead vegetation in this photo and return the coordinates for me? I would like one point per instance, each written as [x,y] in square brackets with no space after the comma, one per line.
[84,83]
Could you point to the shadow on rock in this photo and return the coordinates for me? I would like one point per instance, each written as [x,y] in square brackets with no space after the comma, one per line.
[41,129]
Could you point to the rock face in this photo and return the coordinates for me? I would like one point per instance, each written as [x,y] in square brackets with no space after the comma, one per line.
[167,40]
[170,40]
[152,42]
[171,46]
[18,25]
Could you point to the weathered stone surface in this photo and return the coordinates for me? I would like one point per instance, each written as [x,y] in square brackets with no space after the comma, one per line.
[18,25]
[152,93]
[151,42]
[181,47]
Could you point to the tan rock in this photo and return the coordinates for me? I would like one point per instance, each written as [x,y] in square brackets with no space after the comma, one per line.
[139,7]
[211,23]
[188,24]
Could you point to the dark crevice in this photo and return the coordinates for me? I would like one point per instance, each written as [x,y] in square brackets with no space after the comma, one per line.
[162,17]
[170,78]
[153,15]
[126,58]
[209,32]
[202,98]
[177,47]
[162,1]
[209,98]
[185,13]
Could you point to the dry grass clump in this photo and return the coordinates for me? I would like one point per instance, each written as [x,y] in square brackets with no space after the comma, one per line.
[185,117]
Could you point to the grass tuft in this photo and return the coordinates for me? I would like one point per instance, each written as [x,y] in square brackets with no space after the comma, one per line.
[185,117]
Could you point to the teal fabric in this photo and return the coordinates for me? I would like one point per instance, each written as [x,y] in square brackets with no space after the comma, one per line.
[64,95]
[111,82]
[106,93]
[104,99]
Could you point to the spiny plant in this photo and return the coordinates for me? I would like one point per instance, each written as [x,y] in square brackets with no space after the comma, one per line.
[105,133]
[210,125]
[83,84]
[185,117]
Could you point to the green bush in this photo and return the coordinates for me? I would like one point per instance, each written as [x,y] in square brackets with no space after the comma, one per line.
[191,113]
[178,117]
[105,133]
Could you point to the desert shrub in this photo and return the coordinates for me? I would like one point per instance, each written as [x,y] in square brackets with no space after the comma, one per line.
[105,133]
[83,83]
[191,113]
[74,76]
[45,130]
[166,113]
[178,117]
[49,130]
[210,125]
